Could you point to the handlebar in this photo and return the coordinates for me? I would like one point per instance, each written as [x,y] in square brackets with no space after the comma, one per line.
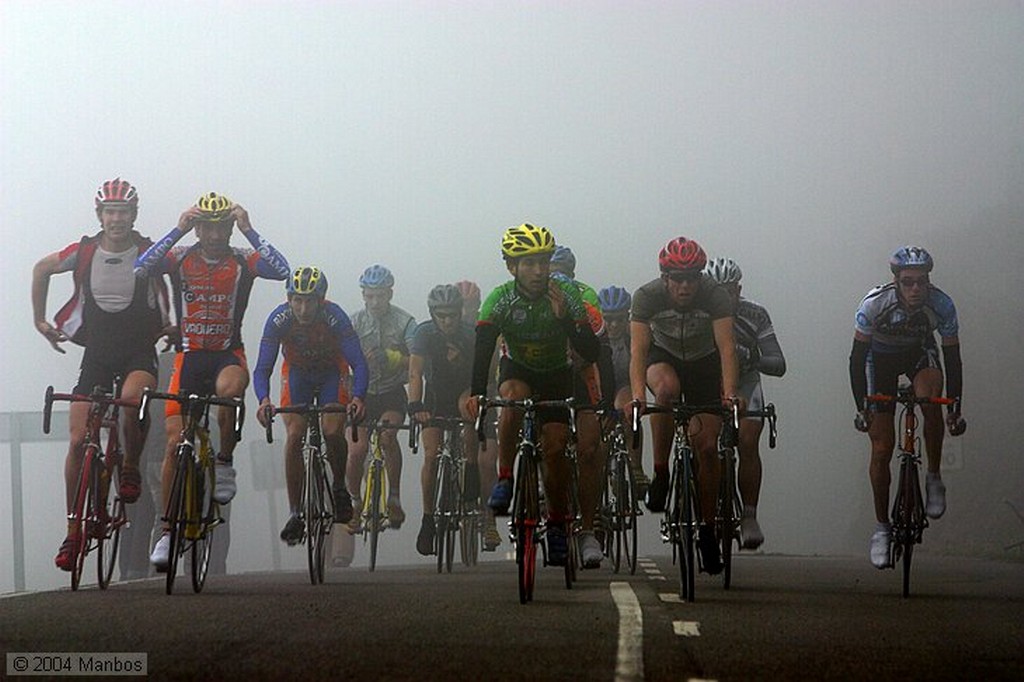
[187,400]
[305,409]
[99,395]
[684,412]
[528,405]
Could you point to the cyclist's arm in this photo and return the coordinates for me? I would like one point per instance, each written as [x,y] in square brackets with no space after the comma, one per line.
[41,273]
[155,261]
[582,339]
[416,364]
[270,345]
[726,342]
[486,336]
[771,362]
[353,354]
[954,369]
[858,368]
[639,346]
[606,368]
[271,263]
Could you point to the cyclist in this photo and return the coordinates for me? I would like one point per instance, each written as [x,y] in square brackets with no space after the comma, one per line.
[539,318]
[385,334]
[588,381]
[759,353]
[319,346]
[615,302]
[211,281]
[441,352]
[894,335]
[487,457]
[681,341]
[116,318]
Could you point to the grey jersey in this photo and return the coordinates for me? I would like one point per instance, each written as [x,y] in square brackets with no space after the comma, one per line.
[392,331]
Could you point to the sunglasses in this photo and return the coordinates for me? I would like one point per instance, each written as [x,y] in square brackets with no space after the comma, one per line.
[911,282]
[446,315]
[685,277]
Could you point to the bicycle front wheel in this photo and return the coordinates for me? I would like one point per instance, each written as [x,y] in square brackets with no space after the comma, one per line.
[908,517]
[317,523]
[177,512]
[109,508]
[209,516]
[442,513]
[526,515]
[80,511]
[625,513]
[683,517]
[728,515]
[375,481]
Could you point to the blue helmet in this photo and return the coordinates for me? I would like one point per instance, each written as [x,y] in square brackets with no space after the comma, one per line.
[376,277]
[614,299]
[910,257]
[563,260]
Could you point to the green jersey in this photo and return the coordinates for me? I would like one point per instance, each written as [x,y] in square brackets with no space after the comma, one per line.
[533,336]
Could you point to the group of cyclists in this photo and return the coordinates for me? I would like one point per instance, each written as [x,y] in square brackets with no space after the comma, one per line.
[687,335]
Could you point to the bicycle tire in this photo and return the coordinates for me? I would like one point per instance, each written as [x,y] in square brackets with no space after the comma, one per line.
[79,511]
[469,538]
[202,546]
[177,512]
[313,509]
[441,501]
[572,556]
[626,514]
[908,497]
[728,518]
[452,495]
[526,514]
[376,483]
[685,519]
[111,511]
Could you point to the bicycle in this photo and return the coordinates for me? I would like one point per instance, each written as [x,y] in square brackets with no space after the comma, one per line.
[192,513]
[619,504]
[374,513]
[97,518]
[908,516]
[316,506]
[729,508]
[528,523]
[682,513]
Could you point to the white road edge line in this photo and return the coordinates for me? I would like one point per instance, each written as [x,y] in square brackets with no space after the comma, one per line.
[686,628]
[629,661]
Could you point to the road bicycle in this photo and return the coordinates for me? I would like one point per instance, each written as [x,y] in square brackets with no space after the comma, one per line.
[528,522]
[96,515]
[454,515]
[908,515]
[316,506]
[729,508]
[619,504]
[374,513]
[192,513]
[682,512]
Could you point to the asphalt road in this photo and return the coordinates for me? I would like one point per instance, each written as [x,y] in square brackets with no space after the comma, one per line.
[785,618]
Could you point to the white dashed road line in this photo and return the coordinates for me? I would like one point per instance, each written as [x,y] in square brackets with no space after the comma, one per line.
[629,664]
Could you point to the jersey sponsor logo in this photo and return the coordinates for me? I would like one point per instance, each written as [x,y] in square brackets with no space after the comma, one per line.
[208,328]
[518,316]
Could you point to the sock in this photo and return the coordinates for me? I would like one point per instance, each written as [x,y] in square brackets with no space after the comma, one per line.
[883,527]
[749,511]
[504,472]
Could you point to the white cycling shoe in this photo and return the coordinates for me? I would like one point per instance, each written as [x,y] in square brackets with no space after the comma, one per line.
[935,494]
[881,549]
[161,555]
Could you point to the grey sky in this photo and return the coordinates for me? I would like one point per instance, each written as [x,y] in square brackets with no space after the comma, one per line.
[805,139]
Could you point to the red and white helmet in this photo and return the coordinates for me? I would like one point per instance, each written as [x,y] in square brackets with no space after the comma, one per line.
[682,254]
[117,192]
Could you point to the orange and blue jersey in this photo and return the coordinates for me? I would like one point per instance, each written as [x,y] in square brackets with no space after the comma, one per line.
[327,347]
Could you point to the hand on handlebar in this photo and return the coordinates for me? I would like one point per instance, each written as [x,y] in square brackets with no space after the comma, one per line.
[264,412]
[356,410]
[862,422]
[956,424]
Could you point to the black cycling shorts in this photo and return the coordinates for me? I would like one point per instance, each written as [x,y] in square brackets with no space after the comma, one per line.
[700,380]
[555,384]
[884,370]
[100,371]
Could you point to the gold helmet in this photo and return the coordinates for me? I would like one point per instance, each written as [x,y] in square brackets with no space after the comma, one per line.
[527,240]
[215,207]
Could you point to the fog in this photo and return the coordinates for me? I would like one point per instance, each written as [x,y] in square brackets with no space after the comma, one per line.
[806,140]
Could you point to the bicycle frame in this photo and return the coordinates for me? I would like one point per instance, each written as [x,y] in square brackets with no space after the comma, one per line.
[450,513]
[619,507]
[192,513]
[527,523]
[316,506]
[97,518]
[374,508]
[908,516]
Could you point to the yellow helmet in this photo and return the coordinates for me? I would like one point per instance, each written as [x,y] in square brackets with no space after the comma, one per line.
[527,240]
[216,208]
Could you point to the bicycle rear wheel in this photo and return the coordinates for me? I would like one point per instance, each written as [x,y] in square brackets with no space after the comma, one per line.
[110,509]
[209,516]
[442,509]
[469,537]
[80,511]
[376,495]
[177,512]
